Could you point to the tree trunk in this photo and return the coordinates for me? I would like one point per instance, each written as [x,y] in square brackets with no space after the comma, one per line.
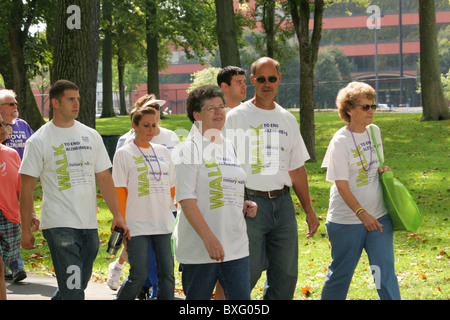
[434,104]
[309,49]
[152,50]
[121,72]
[75,56]
[107,74]
[18,31]
[226,34]
[268,21]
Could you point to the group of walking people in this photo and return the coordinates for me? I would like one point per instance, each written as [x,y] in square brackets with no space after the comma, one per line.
[218,202]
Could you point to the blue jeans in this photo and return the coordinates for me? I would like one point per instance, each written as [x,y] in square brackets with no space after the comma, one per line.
[138,249]
[199,279]
[152,280]
[73,253]
[273,238]
[347,242]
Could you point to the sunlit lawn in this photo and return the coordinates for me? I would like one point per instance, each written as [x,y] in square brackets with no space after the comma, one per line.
[419,155]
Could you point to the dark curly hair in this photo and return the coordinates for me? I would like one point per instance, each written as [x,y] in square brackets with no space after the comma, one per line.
[197,97]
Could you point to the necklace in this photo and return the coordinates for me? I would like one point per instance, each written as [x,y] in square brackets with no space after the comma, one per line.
[359,153]
[157,161]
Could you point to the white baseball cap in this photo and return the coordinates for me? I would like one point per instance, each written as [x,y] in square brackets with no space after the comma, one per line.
[153,101]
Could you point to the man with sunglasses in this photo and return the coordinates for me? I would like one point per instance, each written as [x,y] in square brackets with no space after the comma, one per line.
[19,133]
[21,130]
[272,152]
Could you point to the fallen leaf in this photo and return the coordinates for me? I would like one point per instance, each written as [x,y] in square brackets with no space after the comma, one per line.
[306,290]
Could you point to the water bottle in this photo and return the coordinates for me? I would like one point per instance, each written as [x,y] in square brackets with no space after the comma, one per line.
[115,241]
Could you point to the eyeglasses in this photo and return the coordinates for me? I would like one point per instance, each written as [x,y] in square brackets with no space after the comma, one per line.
[366,107]
[3,123]
[10,104]
[214,109]
[272,79]
[155,106]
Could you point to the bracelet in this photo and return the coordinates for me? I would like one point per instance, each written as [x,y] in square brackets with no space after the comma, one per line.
[359,211]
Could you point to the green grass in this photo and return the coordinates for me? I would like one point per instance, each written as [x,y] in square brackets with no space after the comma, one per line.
[419,155]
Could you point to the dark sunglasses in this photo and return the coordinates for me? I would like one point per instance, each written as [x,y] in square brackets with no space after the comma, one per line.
[11,104]
[272,79]
[3,123]
[366,107]
[155,106]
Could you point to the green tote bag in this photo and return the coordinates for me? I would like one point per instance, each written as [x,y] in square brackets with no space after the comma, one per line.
[402,208]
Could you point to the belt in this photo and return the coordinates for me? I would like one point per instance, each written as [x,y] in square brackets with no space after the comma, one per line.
[268,194]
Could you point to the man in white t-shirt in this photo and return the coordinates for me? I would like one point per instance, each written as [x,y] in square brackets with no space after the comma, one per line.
[69,158]
[272,152]
[232,81]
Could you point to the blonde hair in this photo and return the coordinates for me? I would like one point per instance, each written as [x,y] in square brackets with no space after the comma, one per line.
[350,96]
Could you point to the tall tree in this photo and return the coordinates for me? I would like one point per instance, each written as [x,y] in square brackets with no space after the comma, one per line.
[20,16]
[433,101]
[151,24]
[107,58]
[308,49]
[182,24]
[227,33]
[76,50]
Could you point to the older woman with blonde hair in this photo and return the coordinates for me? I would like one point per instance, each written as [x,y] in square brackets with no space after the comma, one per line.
[357,218]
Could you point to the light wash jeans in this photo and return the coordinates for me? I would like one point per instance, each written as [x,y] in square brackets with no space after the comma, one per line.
[138,249]
[73,253]
[347,243]
[199,279]
[273,238]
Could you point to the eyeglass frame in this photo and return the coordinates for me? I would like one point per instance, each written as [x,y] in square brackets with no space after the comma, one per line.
[366,107]
[10,104]
[221,108]
[262,79]
[155,106]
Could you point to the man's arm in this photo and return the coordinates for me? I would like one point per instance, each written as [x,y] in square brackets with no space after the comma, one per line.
[299,180]
[108,191]
[28,219]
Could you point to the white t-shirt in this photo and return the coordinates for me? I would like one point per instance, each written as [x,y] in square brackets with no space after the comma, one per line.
[268,144]
[149,204]
[166,137]
[66,160]
[343,161]
[216,182]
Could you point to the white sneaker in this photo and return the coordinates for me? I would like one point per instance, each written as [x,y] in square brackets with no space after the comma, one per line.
[115,270]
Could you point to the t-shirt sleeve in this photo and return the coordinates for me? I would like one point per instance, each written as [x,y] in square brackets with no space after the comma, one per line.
[186,172]
[337,160]
[299,154]
[119,171]
[33,159]
[102,162]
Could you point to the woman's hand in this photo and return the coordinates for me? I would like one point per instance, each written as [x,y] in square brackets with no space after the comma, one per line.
[382,170]
[250,208]
[370,222]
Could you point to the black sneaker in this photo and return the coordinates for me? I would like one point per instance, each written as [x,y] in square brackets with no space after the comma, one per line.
[8,274]
[144,294]
[19,275]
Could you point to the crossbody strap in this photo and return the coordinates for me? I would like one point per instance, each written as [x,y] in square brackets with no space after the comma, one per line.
[376,145]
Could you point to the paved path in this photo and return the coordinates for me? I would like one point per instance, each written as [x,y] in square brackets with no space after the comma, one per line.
[40,287]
